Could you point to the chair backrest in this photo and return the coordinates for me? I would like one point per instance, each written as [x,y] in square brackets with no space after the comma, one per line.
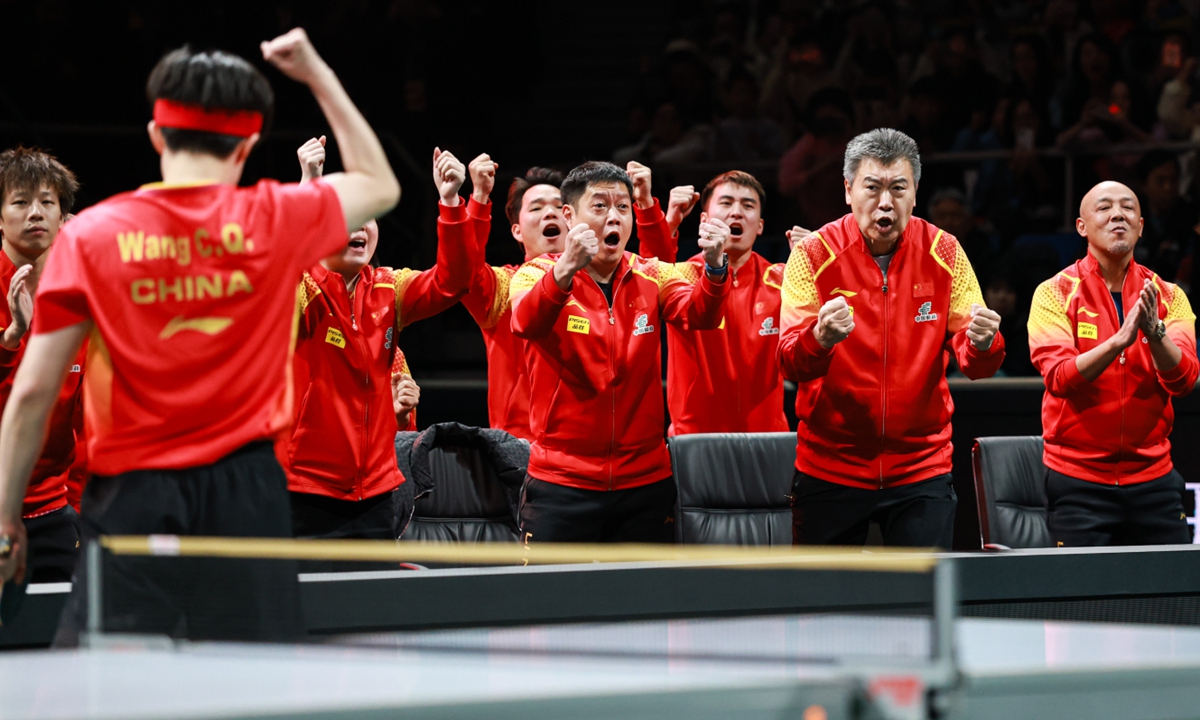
[467,503]
[1010,491]
[734,488]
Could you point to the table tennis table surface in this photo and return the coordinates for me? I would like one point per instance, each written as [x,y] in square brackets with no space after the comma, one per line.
[749,667]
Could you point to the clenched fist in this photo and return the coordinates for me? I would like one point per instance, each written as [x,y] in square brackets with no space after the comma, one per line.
[406,394]
[680,204]
[294,55]
[713,236]
[640,175]
[483,177]
[835,322]
[795,235]
[448,175]
[581,246]
[312,159]
[983,328]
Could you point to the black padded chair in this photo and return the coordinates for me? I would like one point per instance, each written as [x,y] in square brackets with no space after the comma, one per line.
[466,482]
[734,488]
[1010,490]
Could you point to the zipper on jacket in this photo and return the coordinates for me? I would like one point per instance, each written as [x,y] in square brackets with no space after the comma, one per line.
[1121,373]
[612,371]
[883,378]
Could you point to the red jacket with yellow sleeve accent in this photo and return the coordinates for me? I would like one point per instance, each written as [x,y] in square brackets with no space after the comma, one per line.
[342,443]
[488,302]
[728,380]
[1114,429]
[877,412]
[47,490]
[596,408]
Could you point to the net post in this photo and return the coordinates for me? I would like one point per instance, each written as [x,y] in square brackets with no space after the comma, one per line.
[95,602]
[945,612]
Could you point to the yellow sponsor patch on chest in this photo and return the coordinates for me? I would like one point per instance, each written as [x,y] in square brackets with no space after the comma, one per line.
[578,324]
[1087,330]
[333,336]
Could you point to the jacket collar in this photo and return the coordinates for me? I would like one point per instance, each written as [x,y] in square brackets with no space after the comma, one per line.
[323,276]
[1089,265]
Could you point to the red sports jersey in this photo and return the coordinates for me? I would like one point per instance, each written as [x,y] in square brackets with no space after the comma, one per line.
[877,412]
[47,489]
[728,380]
[192,290]
[596,369]
[1113,430]
[343,443]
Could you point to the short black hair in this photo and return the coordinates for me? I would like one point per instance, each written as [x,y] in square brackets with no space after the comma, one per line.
[592,172]
[212,79]
[28,169]
[516,191]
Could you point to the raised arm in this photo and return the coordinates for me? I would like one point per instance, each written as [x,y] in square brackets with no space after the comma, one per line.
[367,188]
[809,331]
[697,303]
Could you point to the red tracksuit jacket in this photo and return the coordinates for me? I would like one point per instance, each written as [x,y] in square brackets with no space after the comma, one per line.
[880,409]
[728,380]
[47,489]
[1113,430]
[342,445]
[488,303]
[596,408]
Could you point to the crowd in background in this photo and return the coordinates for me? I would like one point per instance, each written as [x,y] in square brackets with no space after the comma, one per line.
[780,87]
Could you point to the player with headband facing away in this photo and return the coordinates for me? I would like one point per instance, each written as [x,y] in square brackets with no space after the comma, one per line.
[188,290]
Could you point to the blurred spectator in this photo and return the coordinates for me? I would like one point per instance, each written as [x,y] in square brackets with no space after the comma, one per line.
[811,171]
[799,69]
[1093,71]
[669,140]
[949,210]
[688,82]
[1169,239]
[1032,72]
[958,79]
[925,120]
[1000,294]
[1017,194]
[745,134]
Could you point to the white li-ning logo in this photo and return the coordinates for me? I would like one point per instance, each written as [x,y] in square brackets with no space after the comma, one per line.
[768,327]
[642,325]
[924,314]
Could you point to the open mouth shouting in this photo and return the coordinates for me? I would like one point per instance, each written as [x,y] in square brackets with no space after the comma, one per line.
[613,239]
[736,230]
[552,231]
[884,224]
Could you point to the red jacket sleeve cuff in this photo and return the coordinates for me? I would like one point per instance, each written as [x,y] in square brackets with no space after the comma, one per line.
[552,291]
[1179,373]
[1072,380]
[810,344]
[454,214]
[478,210]
[650,215]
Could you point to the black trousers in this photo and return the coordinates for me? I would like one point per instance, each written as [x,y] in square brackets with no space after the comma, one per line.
[381,517]
[556,513]
[53,552]
[242,495]
[1082,513]
[920,514]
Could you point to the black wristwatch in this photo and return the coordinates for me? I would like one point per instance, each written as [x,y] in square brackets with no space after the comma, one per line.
[719,271]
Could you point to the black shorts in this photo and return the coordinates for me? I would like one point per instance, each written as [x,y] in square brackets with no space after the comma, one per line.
[1082,513]
[241,495]
[556,513]
[919,514]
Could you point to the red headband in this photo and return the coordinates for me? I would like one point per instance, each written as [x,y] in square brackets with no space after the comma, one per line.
[239,123]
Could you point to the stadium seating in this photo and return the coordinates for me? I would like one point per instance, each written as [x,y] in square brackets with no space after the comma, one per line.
[734,488]
[1011,492]
[465,489]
